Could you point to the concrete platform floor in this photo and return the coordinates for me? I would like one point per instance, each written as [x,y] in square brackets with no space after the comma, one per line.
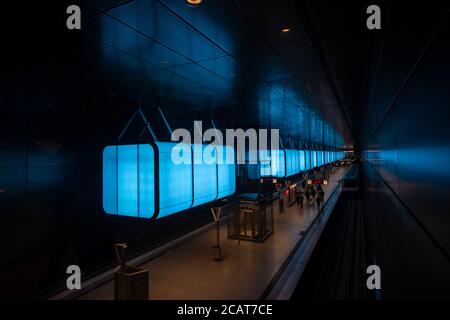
[189,272]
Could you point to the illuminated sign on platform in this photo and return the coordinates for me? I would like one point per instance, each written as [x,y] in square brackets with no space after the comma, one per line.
[317,181]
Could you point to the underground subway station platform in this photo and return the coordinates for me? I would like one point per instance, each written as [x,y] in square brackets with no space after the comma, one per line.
[222,150]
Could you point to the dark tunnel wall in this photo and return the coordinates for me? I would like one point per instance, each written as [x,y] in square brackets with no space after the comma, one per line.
[407,137]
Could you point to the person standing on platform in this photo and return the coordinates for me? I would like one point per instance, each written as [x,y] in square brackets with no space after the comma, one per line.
[313,193]
[319,188]
[301,198]
[321,194]
[298,195]
[307,195]
[318,201]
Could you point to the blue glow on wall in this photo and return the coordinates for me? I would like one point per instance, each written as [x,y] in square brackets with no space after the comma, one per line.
[128,180]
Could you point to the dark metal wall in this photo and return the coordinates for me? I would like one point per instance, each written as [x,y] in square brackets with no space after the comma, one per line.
[407,136]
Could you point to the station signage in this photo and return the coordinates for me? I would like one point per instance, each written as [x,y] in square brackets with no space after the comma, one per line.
[317,181]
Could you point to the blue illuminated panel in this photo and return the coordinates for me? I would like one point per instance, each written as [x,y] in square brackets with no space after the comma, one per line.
[278,163]
[302,158]
[146,160]
[205,174]
[287,168]
[320,158]
[308,163]
[289,163]
[110,180]
[226,171]
[175,180]
[128,180]
[313,159]
[127,177]
[272,163]
[265,163]
[295,161]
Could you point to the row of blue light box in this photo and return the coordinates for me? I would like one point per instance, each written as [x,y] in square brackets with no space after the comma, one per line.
[130,187]
[288,162]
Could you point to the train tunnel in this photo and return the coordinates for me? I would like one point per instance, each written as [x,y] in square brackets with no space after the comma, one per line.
[225,150]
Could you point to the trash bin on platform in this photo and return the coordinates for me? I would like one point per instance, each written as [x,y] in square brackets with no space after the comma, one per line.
[130,283]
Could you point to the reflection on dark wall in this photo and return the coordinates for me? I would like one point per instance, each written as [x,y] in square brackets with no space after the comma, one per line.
[408,146]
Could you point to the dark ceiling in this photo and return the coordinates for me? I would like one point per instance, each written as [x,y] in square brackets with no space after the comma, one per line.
[347,50]
[226,59]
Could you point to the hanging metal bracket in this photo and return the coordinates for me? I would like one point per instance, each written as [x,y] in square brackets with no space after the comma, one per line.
[140,113]
[165,121]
